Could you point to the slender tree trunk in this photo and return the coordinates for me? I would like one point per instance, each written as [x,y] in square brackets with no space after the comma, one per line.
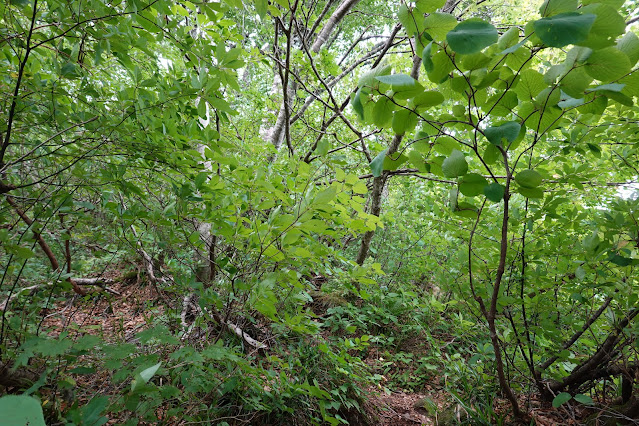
[276,133]
[380,182]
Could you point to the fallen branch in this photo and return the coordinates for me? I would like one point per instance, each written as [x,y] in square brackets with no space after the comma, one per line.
[43,244]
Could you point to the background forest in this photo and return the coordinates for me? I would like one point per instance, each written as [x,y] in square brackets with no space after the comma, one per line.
[301,212]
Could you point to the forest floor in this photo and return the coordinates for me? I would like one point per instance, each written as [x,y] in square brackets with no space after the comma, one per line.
[118,319]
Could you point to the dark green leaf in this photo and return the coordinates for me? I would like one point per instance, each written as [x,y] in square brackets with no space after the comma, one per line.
[494,192]
[509,131]
[561,399]
[471,36]
[377,165]
[564,29]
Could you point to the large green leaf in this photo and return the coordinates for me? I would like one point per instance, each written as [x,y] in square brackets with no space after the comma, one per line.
[509,131]
[356,103]
[20,410]
[608,25]
[404,121]
[554,7]
[472,184]
[439,24]
[494,192]
[455,165]
[608,64]
[528,178]
[428,99]
[428,6]
[629,44]
[471,36]
[400,82]
[564,29]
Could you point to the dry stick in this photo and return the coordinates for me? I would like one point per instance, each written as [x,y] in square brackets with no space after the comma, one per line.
[188,301]
[43,245]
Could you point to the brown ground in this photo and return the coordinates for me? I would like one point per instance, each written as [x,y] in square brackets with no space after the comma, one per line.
[120,318]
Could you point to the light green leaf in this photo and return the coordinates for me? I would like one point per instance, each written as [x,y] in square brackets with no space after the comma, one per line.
[377,165]
[608,25]
[472,184]
[428,99]
[398,82]
[494,192]
[21,410]
[629,44]
[455,165]
[442,66]
[144,376]
[528,178]
[404,121]
[529,84]
[561,399]
[554,7]
[608,64]
[392,162]
[439,24]
[509,38]
[564,29]
[428,6]
[509,131]
[407,19]
[383,112]
[471,36]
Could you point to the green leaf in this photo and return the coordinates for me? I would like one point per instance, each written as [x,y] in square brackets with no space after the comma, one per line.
[445,145]
[584,399]
[608,64]
[377,165]
[407,19]
[439,24]
[428,99]
[356,103]
[561,399]
[399,82]
[608,25]
[383,112]
[472,184]
[21,410]
[629,44]
[494,192]
[509,131]
[529,84]
[554,7]
[528,178]
[564,29]
[471,36]
[442,66]
[426,59]
[391,163]
[404,121]
[531,192]
[428,6]
[455,165]
[144,376]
